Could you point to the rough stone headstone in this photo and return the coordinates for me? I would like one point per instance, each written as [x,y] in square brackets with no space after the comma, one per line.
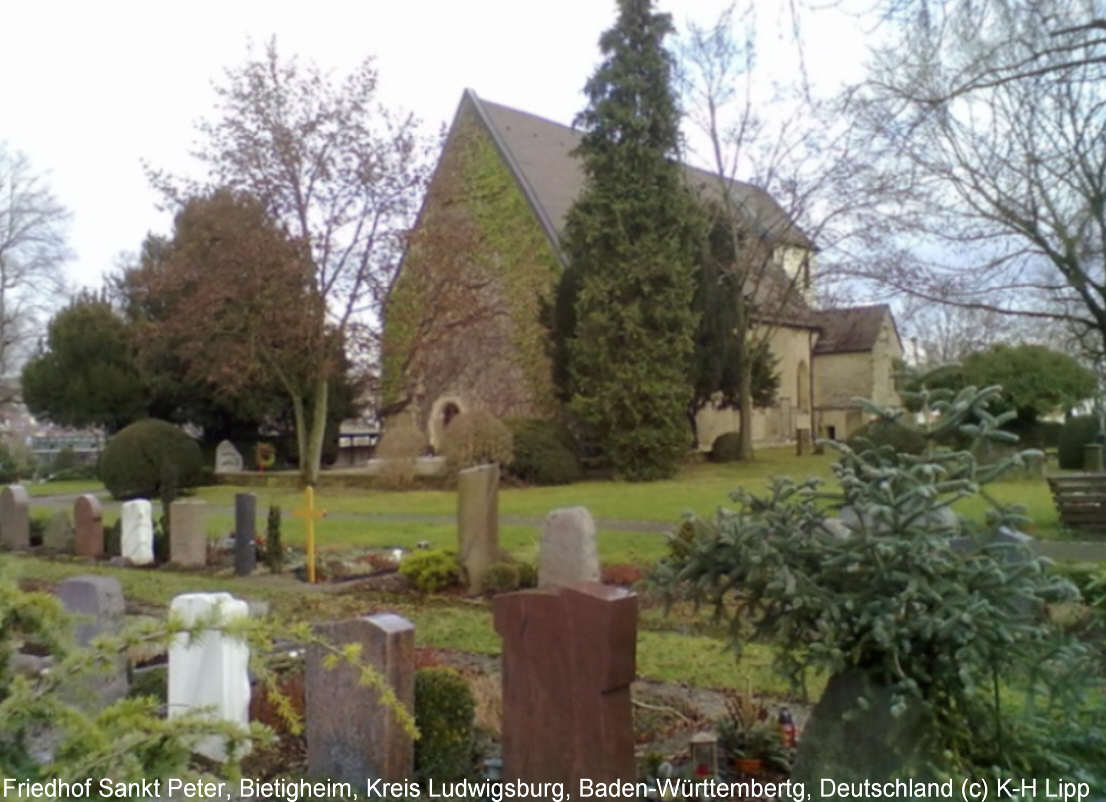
[849,741]
[569,552]
[60,535]
[245,533]
[97,601]
[88,518]
[568,661]
[136,542]
[228,459]
[939,518]
[188,533]
[350,734]
[15,522]
[478,522]
[210,670]
[1008,545]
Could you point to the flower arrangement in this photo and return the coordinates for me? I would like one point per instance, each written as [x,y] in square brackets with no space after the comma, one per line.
[265,456]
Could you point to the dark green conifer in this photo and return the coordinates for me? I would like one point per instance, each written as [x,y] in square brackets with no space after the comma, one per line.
[630,240]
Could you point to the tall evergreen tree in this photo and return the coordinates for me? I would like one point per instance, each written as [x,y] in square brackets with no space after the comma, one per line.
[716,363]
[630,240]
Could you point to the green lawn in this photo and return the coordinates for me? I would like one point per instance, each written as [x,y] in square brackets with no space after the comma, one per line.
[36,489]
[671,647]
[700,488]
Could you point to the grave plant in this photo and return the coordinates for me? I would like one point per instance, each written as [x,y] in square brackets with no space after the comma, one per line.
[942,656]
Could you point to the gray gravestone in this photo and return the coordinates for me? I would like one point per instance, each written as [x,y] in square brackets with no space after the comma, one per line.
[569,553]
[97,601]
[15,523]
[245,533]
[939,518]
[188,533]
[60,535]
[478,522]
[88,518]
[350,734]
[853,741]
[228,459]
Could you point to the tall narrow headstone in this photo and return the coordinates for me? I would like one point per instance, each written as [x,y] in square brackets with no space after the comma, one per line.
[568,661]
[188,533]
[569,552]
[88,518]
[350,734]
[478,522]
[210,670]
[136,543]
[804,443]
[15,522]
[60,535]
[97,601]
[245,533]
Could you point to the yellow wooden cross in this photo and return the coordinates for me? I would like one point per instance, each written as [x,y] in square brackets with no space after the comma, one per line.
[310,513]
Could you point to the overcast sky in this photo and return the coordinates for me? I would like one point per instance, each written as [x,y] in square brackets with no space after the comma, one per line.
[89,91]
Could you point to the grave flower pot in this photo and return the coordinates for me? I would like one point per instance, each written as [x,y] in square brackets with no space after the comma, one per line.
[749,765]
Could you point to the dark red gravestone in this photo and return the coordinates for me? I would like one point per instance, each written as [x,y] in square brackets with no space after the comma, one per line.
[568,661]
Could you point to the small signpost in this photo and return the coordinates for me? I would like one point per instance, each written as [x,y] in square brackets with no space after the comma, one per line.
[310,513]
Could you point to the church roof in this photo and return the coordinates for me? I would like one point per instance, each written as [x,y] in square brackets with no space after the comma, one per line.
[851,329]
[539,152]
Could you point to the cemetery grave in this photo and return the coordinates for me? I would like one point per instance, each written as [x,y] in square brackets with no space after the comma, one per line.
[335,722]
[549,644]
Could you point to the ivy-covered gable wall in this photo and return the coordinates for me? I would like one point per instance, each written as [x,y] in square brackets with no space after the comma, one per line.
[464,318]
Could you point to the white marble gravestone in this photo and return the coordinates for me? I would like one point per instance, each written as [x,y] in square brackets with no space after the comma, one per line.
[210,671]
[136,544]
[228,459]
[569,551]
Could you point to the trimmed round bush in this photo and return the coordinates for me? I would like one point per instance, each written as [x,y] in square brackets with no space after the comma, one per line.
[1077,432]
[882,432]
[476,437]
[544,453]
[527,575]
[726,447]
[1038,434]
[148,455]
[400,444]
[431,571]
[445,712]
[502,577]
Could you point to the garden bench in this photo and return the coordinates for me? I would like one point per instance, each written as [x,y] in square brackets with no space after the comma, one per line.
[1080,499]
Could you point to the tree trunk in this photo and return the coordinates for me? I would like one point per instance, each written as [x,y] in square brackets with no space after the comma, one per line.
[311,458]
[746,407]
[300,422]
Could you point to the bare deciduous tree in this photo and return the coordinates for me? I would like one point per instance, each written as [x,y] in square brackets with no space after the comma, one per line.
[784,172]
[1001,203]
[32,253]
[342,173]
